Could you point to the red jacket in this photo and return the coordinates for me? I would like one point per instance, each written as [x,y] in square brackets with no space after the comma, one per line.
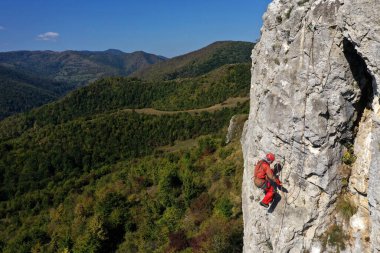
[262,173]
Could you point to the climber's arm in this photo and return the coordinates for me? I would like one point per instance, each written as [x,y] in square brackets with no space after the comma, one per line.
[269,173]
[272,176]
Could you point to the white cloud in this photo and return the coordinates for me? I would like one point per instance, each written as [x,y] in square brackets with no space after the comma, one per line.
[2,28]
[52,36]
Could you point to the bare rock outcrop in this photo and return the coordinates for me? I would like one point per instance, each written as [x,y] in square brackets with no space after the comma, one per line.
[314,94]
[235,127]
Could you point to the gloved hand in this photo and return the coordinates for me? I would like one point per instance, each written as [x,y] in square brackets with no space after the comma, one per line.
[278,182]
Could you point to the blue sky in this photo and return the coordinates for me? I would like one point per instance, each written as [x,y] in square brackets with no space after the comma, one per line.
[163,27]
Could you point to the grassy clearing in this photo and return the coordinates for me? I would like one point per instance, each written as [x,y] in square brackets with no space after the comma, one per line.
[180,145]
[230,102]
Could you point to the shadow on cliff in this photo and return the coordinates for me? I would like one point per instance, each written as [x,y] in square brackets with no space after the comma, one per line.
[277,198]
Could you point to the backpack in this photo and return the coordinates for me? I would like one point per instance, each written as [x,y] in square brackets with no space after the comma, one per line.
[259,170]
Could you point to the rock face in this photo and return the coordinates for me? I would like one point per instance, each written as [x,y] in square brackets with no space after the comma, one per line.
[314,93]
[235,127]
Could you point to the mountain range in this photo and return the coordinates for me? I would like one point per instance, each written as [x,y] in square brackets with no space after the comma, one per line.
[31,78]
[47,75]
[77,67]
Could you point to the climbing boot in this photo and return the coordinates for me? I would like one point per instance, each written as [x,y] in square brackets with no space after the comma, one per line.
[264,205]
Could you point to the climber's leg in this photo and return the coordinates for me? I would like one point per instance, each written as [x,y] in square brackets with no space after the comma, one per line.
[269,190]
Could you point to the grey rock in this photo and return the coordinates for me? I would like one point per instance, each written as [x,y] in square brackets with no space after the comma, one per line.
[235,127]
[314,70]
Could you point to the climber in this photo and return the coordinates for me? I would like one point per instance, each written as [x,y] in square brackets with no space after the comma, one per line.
[264,178]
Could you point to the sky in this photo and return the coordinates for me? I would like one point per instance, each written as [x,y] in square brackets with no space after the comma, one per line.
[163,27]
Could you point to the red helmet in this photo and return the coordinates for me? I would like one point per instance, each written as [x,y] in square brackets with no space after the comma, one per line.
[270,157]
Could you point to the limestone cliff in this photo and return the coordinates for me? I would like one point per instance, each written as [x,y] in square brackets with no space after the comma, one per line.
[314,101]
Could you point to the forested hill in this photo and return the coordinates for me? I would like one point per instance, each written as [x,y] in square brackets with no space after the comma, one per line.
[21,92]
[87,173]
[32,78]
[71,69]
[112,94]
[77,67]
[199,62]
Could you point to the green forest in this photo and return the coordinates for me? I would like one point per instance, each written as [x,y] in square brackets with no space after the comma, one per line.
[88,173]
[21,92]
[199,62]
[186,201]
[103,185]
[113,94]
